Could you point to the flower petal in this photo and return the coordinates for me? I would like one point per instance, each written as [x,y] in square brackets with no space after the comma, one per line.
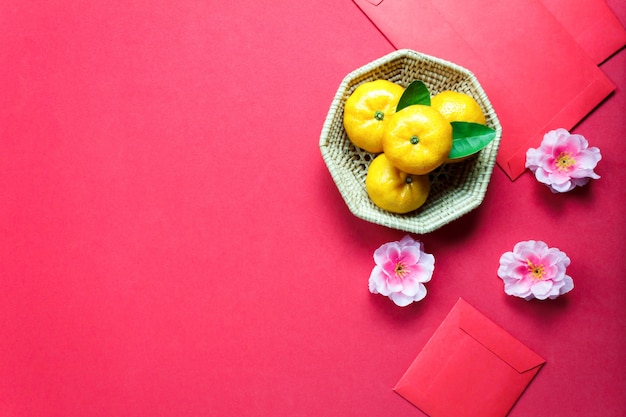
[568,285]
[394,284]
[541,290]
[410,255]
[410,288]
[377,281]
[400,299]
[420,294]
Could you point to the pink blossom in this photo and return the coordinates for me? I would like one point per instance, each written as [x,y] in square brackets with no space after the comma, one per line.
[563,161]
[533,270]
[401,270]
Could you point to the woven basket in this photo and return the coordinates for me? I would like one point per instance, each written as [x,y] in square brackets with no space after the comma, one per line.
[456,189]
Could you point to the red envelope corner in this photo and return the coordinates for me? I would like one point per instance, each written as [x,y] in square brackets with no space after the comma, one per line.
[470,367]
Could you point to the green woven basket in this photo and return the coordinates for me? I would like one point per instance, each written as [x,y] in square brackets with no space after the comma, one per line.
[456,188]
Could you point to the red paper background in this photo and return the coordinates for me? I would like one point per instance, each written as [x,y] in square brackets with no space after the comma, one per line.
[171,242]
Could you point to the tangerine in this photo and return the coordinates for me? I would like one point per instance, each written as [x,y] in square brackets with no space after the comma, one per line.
[367,111]
[393,190]
[417,139]
[458,107]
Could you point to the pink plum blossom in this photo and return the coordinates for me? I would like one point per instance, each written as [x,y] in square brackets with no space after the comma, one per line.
[533,270]
[401,270]
[563,161]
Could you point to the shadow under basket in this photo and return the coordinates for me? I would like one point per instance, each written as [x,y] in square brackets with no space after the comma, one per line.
[456,189]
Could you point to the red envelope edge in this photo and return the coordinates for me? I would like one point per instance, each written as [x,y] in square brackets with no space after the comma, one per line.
[535,74]
[470,367]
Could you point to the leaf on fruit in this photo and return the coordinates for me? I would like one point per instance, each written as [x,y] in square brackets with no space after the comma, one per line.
[469,138]
[415,93]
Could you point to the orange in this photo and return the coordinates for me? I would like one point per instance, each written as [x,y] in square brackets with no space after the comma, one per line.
[417,139]
[394,190]
[367,111]
[458,107]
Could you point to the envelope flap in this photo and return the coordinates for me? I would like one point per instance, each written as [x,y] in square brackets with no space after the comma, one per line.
[498,341]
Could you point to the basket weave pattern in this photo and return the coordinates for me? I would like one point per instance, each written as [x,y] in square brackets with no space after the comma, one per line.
[456,189]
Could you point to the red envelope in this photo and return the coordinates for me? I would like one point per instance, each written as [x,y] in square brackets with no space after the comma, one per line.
[536,76]
[470,367]
[592,24]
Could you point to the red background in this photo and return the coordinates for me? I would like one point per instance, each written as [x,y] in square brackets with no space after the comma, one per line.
[171,243]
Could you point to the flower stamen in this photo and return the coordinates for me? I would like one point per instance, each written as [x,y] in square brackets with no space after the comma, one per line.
[564,161]
[537,271]
[401,270]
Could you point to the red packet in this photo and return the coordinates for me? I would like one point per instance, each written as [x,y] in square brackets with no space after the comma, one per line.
[536,75]
[592,24]
[470,367]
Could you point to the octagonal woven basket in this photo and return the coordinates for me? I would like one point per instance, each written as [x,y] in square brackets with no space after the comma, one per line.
[456,189]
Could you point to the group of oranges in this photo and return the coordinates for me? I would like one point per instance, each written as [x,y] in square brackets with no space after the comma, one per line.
[409,142]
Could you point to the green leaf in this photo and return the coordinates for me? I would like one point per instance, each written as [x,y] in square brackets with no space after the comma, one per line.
[469,138]
[415,93]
